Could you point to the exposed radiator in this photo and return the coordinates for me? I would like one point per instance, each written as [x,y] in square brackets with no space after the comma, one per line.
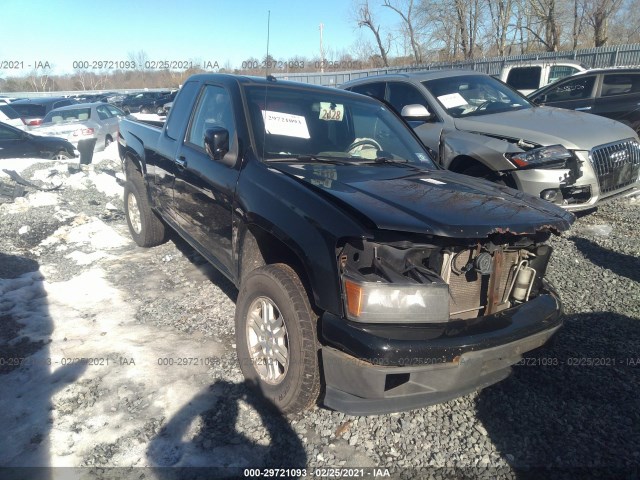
[469,292]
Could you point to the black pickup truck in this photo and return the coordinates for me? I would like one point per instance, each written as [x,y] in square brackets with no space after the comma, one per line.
[365,271]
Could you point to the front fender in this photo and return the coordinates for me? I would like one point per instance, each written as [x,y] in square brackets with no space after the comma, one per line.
[307,223]
[488,151]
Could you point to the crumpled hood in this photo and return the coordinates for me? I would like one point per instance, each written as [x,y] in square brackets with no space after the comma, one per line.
[438,202]
[549,126]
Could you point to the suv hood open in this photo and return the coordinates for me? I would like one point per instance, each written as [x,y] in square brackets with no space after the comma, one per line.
[549,126]
[438,202]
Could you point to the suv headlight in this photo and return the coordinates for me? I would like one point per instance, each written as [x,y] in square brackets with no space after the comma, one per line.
[540,156]
[378,302]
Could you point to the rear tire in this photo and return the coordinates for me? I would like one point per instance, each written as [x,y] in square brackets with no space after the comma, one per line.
[146,229]
[276,338]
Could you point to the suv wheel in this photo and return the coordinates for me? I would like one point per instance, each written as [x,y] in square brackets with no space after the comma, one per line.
[276,337]
[146,229]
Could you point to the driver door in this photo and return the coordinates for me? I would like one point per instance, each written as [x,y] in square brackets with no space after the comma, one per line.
[204,188]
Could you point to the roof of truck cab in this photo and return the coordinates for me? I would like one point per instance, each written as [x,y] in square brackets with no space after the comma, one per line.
[255,80]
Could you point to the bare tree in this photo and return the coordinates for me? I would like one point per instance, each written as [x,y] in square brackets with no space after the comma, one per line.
[546,14]
[40,80]
[141,60]
[468,17]
[364,18]
[598,13]
[408,16]
[578,22]
[500,13]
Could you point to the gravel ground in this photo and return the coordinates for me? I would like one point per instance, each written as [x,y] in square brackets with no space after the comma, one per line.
[573,404]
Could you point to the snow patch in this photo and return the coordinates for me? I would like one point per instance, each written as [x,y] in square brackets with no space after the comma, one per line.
[87,231]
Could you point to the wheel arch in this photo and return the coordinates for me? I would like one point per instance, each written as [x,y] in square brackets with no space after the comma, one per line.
[258,247]
[462,162]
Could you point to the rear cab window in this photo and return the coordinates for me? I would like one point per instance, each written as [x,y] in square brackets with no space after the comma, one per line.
[524,78]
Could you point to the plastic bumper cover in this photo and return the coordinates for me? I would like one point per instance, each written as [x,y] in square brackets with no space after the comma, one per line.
[414,371]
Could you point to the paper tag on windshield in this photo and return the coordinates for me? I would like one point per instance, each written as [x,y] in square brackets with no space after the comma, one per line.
[331,111]
[278,123]
[452,100]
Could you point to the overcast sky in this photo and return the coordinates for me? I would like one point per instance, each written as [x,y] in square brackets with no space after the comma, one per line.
[63,31]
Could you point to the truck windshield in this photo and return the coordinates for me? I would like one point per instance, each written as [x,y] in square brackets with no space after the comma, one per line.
[468,95]
[313,125]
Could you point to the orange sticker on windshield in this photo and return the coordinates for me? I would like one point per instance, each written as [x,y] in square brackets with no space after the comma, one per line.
[331,111]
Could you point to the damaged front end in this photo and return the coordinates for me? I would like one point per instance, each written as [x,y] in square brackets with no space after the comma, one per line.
[434,318]
[440,281]
[550,172]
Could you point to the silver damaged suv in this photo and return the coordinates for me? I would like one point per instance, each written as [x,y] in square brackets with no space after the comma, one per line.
[474,124]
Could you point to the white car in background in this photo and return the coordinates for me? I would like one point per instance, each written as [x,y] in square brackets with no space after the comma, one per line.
[9,116]
[530,76]
[83,121]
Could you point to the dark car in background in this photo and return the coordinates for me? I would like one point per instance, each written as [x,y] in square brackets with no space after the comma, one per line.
[15,143]
[159,104]
[613,93]
[141,102]
[33,110]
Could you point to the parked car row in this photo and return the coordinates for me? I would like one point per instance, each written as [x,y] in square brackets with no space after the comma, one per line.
[474,124]
[470,122]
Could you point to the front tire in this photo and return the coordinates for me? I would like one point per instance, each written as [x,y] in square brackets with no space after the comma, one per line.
[276,337]
[146,229]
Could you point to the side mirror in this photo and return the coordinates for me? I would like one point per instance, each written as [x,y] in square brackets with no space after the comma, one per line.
[415,112]
[216,142]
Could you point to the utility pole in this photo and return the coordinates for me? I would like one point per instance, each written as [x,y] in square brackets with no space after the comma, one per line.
[321,49]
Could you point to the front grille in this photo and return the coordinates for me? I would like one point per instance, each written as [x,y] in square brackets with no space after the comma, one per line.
[617,165]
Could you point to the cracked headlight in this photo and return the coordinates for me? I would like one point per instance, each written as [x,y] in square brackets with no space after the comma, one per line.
[540,156]
[378,302]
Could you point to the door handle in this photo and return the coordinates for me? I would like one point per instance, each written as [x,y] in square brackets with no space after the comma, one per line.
[181,162]
[583,109]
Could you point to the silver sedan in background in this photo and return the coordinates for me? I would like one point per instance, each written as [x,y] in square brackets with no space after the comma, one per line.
[83,121]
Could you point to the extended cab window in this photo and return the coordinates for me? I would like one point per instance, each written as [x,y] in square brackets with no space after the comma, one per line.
[181,110]
[524,78]
[214,110]
[574,89]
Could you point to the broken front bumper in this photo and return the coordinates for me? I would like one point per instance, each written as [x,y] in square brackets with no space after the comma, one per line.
[574,194]
[381,369]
